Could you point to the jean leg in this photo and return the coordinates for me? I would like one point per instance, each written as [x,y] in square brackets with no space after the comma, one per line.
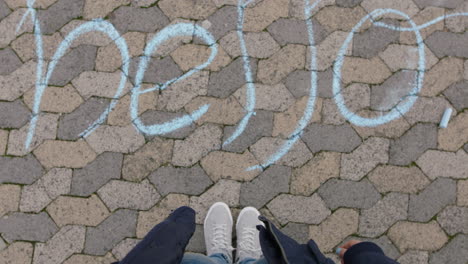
[253,261]
[194,258]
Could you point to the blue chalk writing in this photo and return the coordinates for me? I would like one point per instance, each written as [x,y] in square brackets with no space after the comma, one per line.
[405,104]
[250,95]
[399,110]
[189,29]
[177,30]
[42,81]
[309,110]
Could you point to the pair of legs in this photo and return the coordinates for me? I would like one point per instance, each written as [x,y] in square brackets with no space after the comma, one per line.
[218,235]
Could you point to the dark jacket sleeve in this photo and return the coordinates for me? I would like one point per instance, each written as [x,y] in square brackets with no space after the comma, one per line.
[166,242]
[366,253]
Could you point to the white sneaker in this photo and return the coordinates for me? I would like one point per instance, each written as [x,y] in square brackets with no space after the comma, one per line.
[218,230]
[248,241]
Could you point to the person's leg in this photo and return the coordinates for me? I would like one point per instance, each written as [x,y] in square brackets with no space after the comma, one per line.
[253,261]
[218,233]
[193,258]
[249,250]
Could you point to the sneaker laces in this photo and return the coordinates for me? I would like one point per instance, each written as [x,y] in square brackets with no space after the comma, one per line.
[248,244]
[219,240]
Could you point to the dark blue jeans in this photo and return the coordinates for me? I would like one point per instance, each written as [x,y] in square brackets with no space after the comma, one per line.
[192,258]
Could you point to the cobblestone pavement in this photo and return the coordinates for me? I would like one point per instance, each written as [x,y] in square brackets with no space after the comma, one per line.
[402,184]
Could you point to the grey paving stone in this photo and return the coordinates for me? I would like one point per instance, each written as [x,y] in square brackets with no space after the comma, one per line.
[58,14]
[454,252]
[446,3]
[13,114]
[197,241]
[342,193]
[298,232]
[31,227]
[376,220]
[454,219]
[294,31]
[202,141]
[160,70]
[437,164]
[426,204]
[458,95]
[266,186]
[230,78]
[444,44]
[145,160]
[9,61]
[341,138]
[387,95]
[4,9]
[348,3]
[365,158]
[3,245]
[128,18]
[24,170]
[414,257]
[222,21]
[387,246]
[298,83]
[260,125]
[466,147]
[71,125]
[89,179]
[110,232]
[409,147]
[130,195]
[63,244]
[325,83]
[290,208]
[374,40]
[192,181]
[152,117]
[78,60]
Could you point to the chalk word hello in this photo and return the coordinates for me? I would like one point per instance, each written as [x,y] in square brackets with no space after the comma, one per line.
[187,29]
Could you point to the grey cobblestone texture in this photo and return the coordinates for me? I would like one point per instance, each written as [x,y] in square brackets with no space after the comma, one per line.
[453,252]
[5,10]
[127,18]
[341,138]
[74,200]
[369,43]
[24,170]
[191,181]
[266,186]
[32,227]
[89,179]
[73,124]
[9,61]
[458,95]
[343,193]
[412,144]
[435,197]
[99,240]
[447,44]
[260,125]
[13,114]
[229,79]
[78,60]
[59,14]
